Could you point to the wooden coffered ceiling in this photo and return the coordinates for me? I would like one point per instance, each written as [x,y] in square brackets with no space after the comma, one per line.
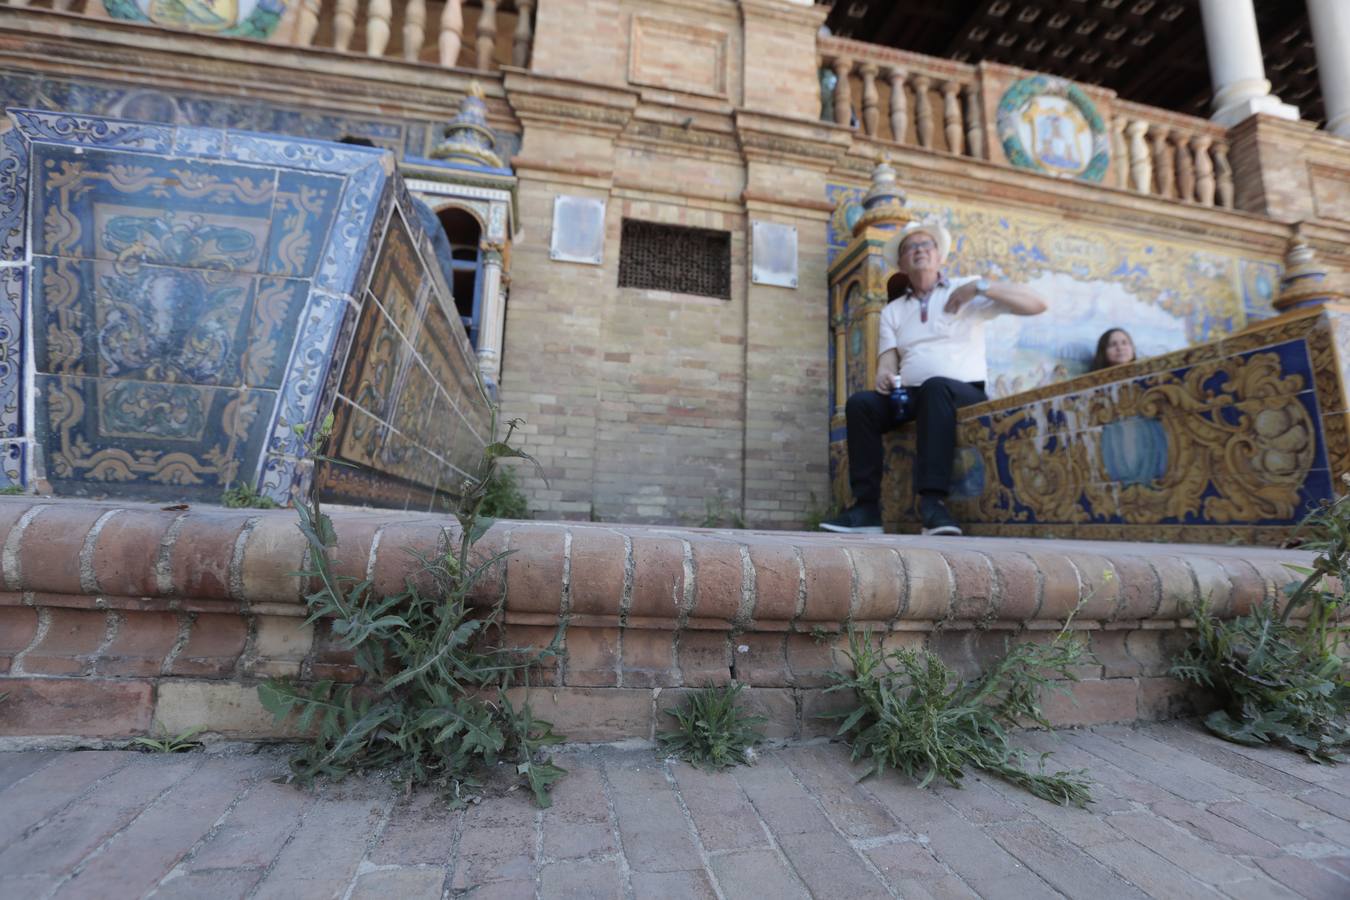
[1148,51]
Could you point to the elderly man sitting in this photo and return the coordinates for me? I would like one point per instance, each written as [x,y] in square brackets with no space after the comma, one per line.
[931,341]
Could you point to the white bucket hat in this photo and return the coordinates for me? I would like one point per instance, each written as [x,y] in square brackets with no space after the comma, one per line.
[940,235]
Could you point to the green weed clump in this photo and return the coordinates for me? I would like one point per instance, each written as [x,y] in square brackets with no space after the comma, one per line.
[167,743]
[1279,673]
[245,496]
[432,705]
[503,498]
[717,513]
[711,731]
[915,715]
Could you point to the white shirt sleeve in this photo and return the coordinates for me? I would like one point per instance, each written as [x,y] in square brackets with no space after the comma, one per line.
[886,336]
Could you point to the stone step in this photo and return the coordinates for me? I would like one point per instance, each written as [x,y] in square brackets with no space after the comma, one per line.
[114,615]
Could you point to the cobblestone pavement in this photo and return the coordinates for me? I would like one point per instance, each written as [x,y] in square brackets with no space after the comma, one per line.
[1178,814]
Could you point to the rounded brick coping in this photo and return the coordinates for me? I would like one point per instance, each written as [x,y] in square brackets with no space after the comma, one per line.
[632,575]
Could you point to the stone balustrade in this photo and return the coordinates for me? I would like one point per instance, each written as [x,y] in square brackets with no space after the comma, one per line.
[1170,155]
[900,98]
[482,35]
[905,98]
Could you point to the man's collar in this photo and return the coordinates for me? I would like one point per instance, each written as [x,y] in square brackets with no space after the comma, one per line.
[941,282]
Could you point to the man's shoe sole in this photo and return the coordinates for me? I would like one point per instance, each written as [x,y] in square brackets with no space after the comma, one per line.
[941,530]
[851,529]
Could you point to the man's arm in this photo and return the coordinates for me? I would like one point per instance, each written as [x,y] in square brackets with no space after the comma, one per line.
[1017,299]
[888,363]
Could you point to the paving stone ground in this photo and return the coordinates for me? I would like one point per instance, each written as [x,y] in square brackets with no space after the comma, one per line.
[1179,814]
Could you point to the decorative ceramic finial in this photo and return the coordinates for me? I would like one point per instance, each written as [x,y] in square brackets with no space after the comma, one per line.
[884,201]
[1305,282]
[468,140]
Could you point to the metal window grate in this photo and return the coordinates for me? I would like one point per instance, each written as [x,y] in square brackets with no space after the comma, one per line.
[674,258]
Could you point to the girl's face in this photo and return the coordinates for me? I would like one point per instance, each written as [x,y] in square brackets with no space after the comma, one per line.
[1119,348]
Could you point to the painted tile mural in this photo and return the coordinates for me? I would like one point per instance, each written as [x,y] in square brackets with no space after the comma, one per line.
[176,325]
[406,137]
[1168,294]
[409,409]
[1233,440]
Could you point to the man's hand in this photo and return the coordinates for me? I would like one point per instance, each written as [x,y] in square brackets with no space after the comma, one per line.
[960,297]
[885,382]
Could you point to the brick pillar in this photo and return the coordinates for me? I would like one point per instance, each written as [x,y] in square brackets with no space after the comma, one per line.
[1270,169]
[553,329]
[787,329]
[779,59]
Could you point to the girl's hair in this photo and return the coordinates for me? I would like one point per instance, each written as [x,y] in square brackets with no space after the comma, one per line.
[1099,358]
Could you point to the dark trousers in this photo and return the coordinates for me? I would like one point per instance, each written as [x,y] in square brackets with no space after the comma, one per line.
[870,415]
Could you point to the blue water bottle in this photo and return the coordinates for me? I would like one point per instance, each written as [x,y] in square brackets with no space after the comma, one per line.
[902,400]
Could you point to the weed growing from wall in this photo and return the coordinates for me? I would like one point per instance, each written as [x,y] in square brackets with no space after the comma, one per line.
[1280,674]
[503,498]
[245,496]
[915,715]
[432,704]
[711,731]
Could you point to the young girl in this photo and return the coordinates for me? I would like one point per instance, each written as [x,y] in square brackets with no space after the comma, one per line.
[1114,348]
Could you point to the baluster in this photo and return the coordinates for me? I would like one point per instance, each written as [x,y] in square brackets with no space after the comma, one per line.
[344,24]
[520,50]
[414,29]
[974,122]
[1164,168]
[871,115]
[60,5]
[1120,152]
[378,14]
[1141,166]
[487,34]
[1224,176]
[452,32]
[923,113]
[951,118]
[1185,168]
[308,23]
[1204,169]
[843,92]
[18,2]
[899,113]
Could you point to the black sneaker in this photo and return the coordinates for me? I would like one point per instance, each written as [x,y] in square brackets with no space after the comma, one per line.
[936,518]
[861,518]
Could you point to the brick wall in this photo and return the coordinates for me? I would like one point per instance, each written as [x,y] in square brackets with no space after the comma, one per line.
[117,618]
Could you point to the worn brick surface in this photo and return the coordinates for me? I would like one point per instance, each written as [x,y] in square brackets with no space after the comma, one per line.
[625,822]
[51,543]
[141,645]
[18,625]
[54,706]
[70,640]
[202,553]
[126,550]
[719,576]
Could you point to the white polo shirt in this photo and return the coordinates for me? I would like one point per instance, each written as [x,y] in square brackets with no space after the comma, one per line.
[945,345]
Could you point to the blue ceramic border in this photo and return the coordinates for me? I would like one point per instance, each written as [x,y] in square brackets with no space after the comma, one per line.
[93,131]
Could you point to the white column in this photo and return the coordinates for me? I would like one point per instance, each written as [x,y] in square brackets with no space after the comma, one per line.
[491,317]
[1331,36]
[1235,67]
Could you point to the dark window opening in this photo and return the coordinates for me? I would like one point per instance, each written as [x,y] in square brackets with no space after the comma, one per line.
[676,259]
[463,231]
